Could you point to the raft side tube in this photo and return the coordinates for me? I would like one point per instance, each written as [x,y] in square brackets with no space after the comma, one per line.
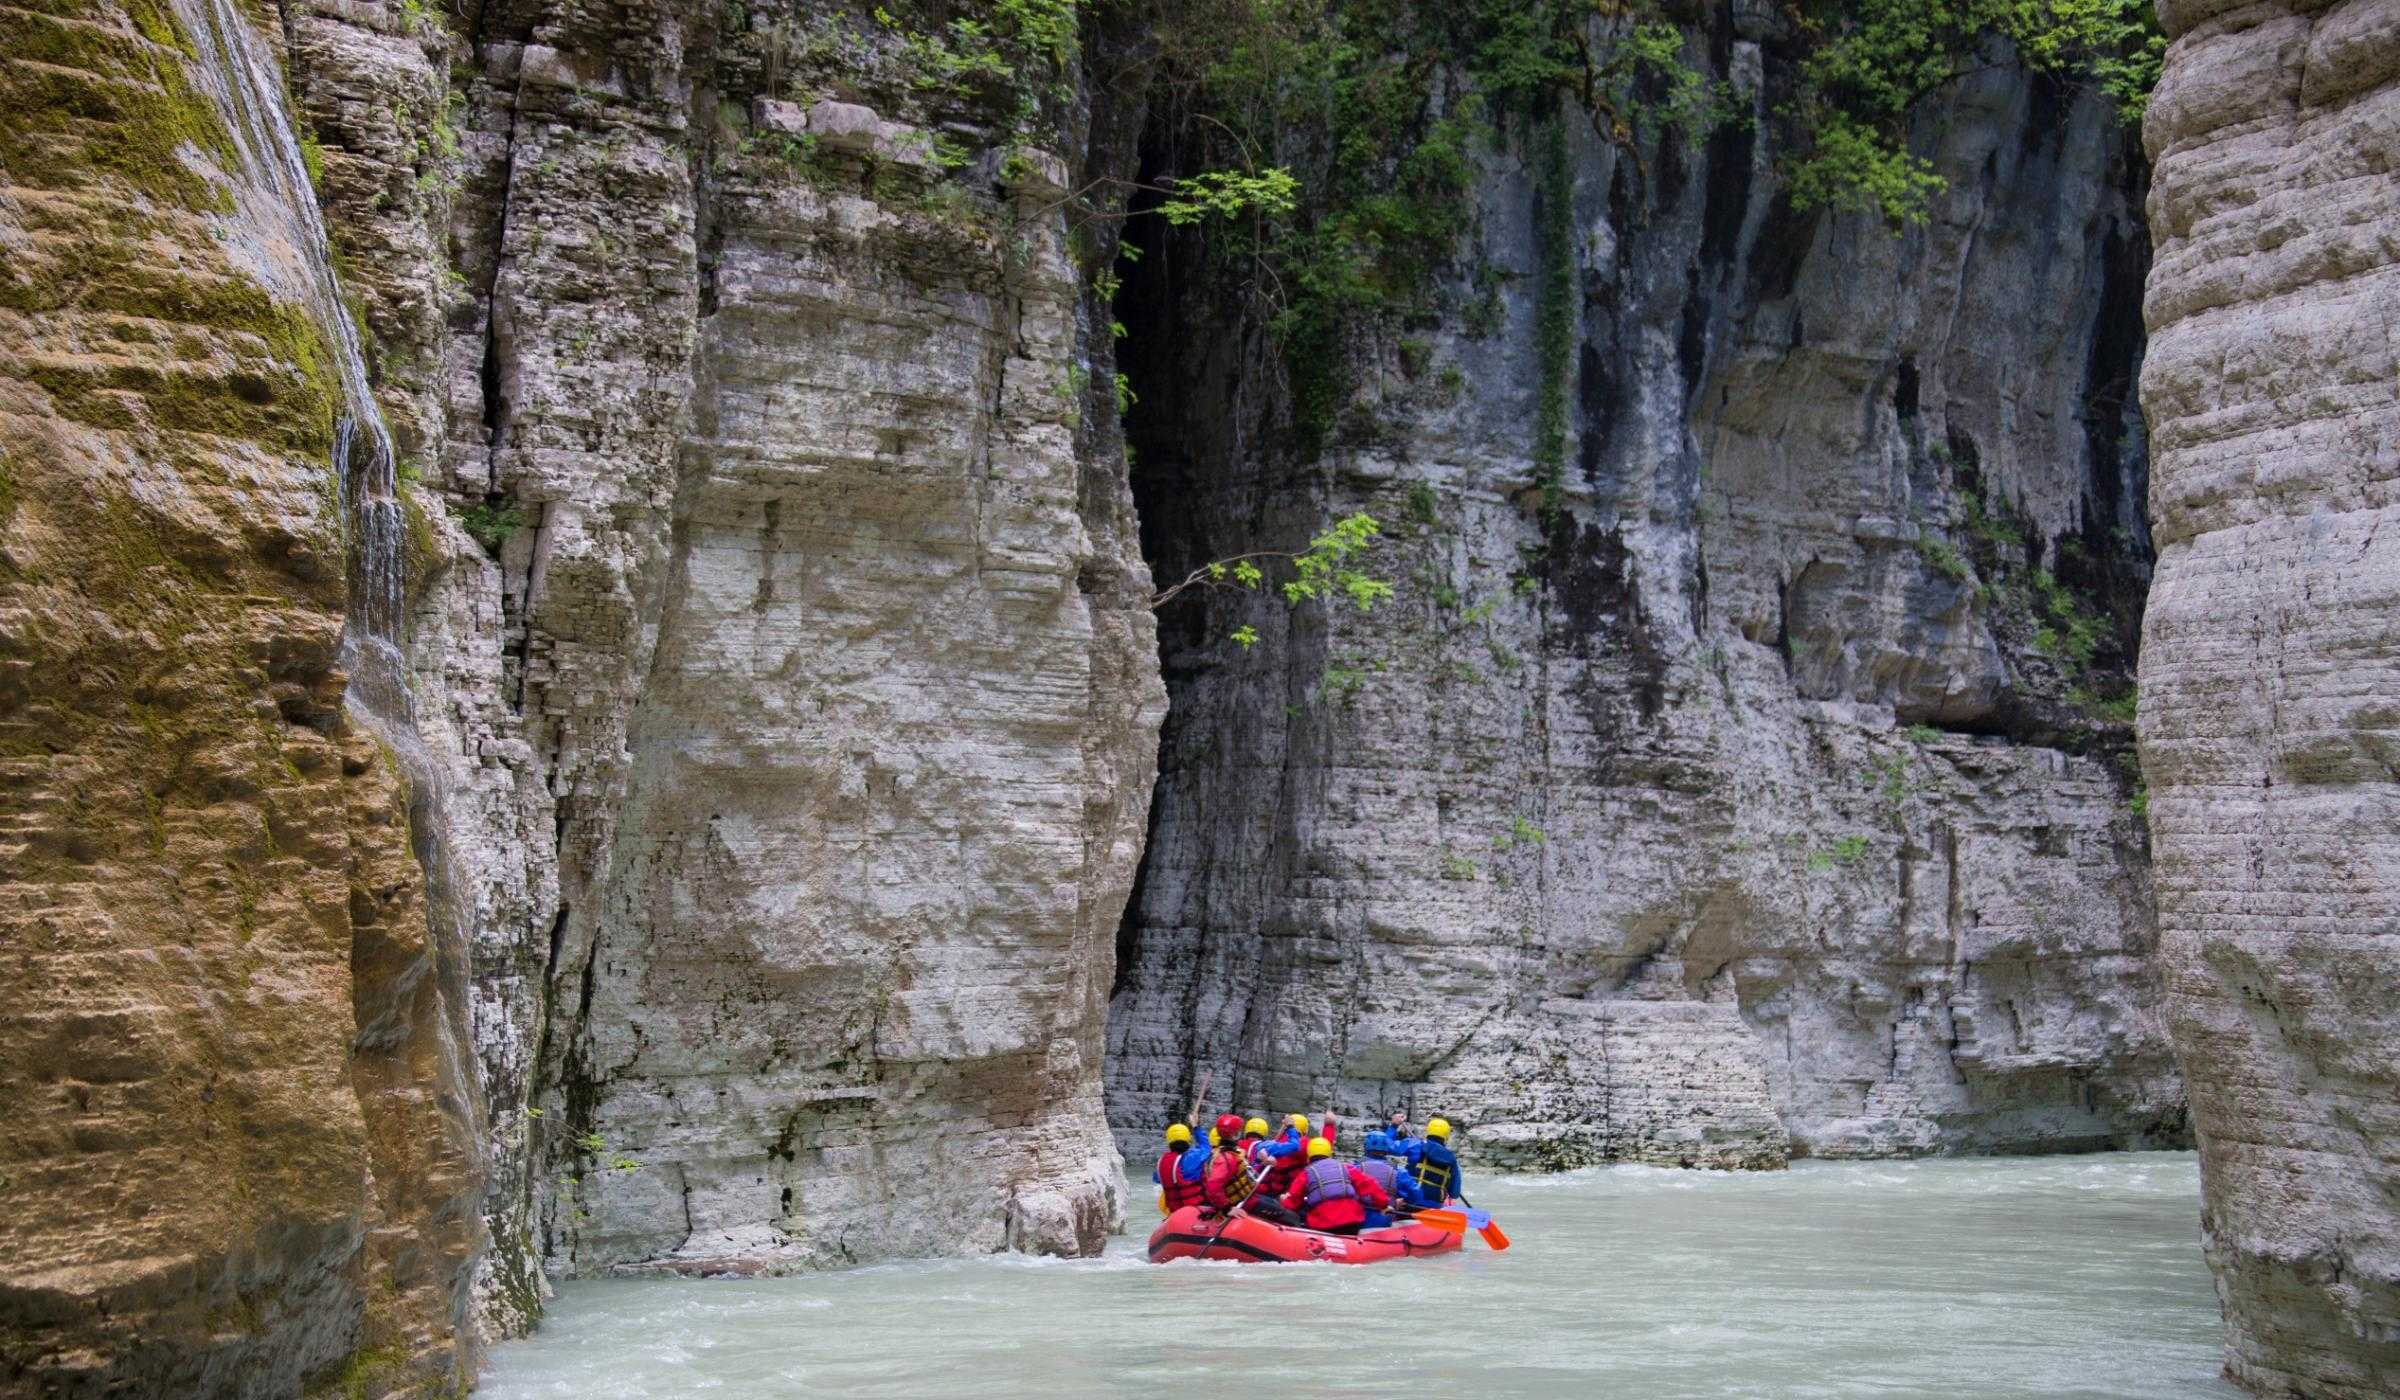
[1246,1239]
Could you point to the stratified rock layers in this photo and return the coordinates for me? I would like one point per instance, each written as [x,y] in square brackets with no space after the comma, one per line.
[242,1148]
[800,717]
[2271,665]
[780,673]
[1739,804]
[842,997]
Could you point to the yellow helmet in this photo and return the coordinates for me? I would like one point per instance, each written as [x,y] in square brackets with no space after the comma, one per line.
[1438,1128]
[1212,1138]
[1319,1147]
[1179,1135]
[1255,1125]
[1299,1122]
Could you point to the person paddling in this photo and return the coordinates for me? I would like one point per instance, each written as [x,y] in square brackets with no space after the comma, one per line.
[1226,1182]
[1284,1156]
[1380,1167]
[1179,1170]
[1331,1195]
[1254,1145]
[1435,1166]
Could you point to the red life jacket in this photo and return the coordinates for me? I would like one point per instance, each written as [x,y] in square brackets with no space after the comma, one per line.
[1281,1171]
[1179,1192]
[1328,1201]
[1228,1182]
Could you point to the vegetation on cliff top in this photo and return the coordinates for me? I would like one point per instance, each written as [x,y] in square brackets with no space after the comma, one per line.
[1351,124]
[1870,63]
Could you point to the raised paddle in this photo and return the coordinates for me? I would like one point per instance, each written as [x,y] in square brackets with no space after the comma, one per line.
[1191,1117]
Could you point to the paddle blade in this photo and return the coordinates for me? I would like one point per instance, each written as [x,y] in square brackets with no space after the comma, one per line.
[1449,1220]
[1490,1230]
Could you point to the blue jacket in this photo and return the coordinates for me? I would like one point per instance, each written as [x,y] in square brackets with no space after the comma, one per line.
[1382,1145]
[1436,1170]
[1191,1166]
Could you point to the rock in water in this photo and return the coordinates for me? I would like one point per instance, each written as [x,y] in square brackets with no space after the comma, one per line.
[2271,663]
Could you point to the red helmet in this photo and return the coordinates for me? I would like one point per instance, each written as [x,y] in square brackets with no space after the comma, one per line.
[1229,1128]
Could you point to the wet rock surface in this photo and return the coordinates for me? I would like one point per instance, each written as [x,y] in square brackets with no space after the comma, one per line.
[243,1155]
[1737,804]
[777,661]
[2267,666]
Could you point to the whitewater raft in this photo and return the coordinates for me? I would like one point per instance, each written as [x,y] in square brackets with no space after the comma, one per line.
[1246,1239]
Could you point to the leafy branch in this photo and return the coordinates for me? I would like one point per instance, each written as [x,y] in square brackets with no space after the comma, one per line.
[1875,61]
[1327,569]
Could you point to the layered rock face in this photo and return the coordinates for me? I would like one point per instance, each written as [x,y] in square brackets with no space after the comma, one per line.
[773,681]
[1741,794]
[244,1148]
[2267,666]
[806,710]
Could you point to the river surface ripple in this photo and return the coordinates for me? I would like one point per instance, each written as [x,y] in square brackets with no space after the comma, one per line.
[2052,1276]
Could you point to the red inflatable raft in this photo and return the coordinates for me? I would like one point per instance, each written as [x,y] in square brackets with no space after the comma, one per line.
[1246,1239]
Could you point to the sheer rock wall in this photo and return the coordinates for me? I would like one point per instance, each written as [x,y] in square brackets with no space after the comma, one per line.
[809,710]
[1738,807]
[778,646]
[2268,666]
[244,1147]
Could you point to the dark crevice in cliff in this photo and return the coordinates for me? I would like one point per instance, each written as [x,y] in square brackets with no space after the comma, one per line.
[1729,494]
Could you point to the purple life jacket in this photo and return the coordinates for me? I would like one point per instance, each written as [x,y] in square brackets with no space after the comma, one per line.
[1382,1173]
[1328,1180]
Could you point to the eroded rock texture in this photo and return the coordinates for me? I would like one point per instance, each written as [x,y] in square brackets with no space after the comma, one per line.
[774,666]
[1739,805]
[243,1148]
[798,710]
[2268,666]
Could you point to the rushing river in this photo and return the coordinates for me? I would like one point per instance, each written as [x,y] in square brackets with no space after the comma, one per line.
[2055,1276]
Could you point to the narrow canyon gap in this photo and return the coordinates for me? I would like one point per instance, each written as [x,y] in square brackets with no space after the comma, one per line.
[1734,806]
[745,886]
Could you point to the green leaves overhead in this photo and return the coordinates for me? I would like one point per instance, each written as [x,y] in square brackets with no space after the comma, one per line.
[1229,194]
[1870,62]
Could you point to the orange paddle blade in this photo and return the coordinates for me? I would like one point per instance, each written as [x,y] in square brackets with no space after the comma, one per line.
[1449,1220]
[1492,1236]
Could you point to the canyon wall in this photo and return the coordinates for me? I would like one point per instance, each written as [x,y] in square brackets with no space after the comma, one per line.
[801,695]
[712,860]
[2268,669]
[245,1148]
[1761,786]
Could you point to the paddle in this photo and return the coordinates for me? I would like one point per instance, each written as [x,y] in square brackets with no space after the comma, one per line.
[1459,1222]
[1489,1229]
[1191,1117]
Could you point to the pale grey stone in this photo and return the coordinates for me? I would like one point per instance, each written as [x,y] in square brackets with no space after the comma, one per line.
[2268,670]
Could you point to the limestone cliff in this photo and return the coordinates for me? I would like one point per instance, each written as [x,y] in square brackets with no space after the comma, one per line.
[668,807]
[244,1154]
[800,698]
[2267,665]
[1733,795]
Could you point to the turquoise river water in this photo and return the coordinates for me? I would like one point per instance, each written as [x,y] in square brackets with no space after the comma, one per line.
[2016,1277]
